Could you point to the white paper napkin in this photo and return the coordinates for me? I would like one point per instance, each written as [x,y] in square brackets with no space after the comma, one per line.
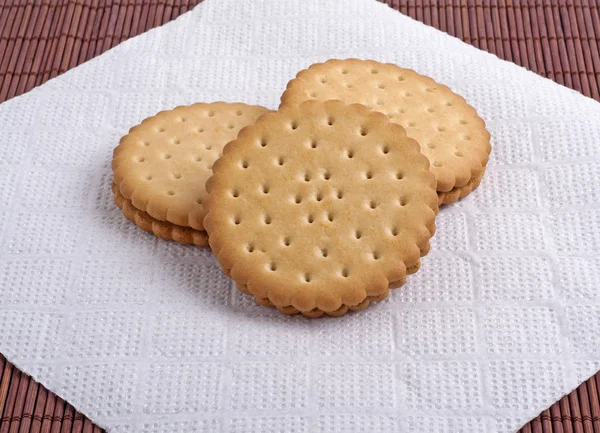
[148,336]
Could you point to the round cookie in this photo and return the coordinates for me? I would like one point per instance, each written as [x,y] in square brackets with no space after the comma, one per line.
[449,131]
[162,229]
[161,166]
[320,208]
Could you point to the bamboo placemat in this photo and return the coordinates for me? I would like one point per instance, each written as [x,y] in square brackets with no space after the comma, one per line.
[559,39]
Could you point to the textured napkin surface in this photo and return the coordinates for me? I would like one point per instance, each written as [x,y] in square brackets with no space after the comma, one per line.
[148,336]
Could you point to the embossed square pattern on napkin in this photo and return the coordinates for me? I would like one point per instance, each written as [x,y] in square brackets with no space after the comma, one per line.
[144,335]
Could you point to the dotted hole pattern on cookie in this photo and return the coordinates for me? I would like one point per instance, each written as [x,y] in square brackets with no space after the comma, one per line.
[176,150]
[299,219]
[430,112]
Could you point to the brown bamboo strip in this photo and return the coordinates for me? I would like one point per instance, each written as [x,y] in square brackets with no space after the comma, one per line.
[77,423]
[411,10]
[95,43]
[158,14]
[99,29]
[594,400]
[597,377]
[442,16]
[137,13]
[151,16]
[4,9]
[10,401]
[546,421]
[184,7]
[109,33]
[496,28]
[18,410]
[168,11]
[175,10]
[143,19]
[4,30]
[537,41]
[565,414]
[71,41]
[418,12]
[126,31]
[427,13]
[78,53]
[593,32]
[526,429]
[19,73]
[12,48]
[29,407]
[576,412]
[48,413]
[587,55]
[34,54]
[450,28]
[506,31]
[67,419]
[9,21]
[535,63]
[552,70]
[546,418]
[536,425]
[520,30]
[418,15]
[24,20]
[570,46]
[38,411]
[556,419]
[61,40]
[181,8]
[87,32]
[395,4]
[584,404]
[473,28]
[595,18]
[154,15]
[57,26]
[45,45]
[456,18]
[590,46]
[541,38]
[481,30]
[457,22]
[7,372]
[57,416]
[561,48]
[463,18]
[88,427]
[435,15]
[63,47]
[120,24]
[407,8]
[489,30]
[585,83]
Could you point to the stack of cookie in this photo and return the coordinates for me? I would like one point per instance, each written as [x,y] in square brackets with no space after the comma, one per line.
[320,207]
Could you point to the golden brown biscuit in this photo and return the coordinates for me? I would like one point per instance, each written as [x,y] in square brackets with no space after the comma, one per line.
[161,165]
[320,208]
[162,229]
[458,192]
[449,131]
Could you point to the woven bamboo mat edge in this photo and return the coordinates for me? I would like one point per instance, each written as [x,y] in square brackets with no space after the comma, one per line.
[558,39]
